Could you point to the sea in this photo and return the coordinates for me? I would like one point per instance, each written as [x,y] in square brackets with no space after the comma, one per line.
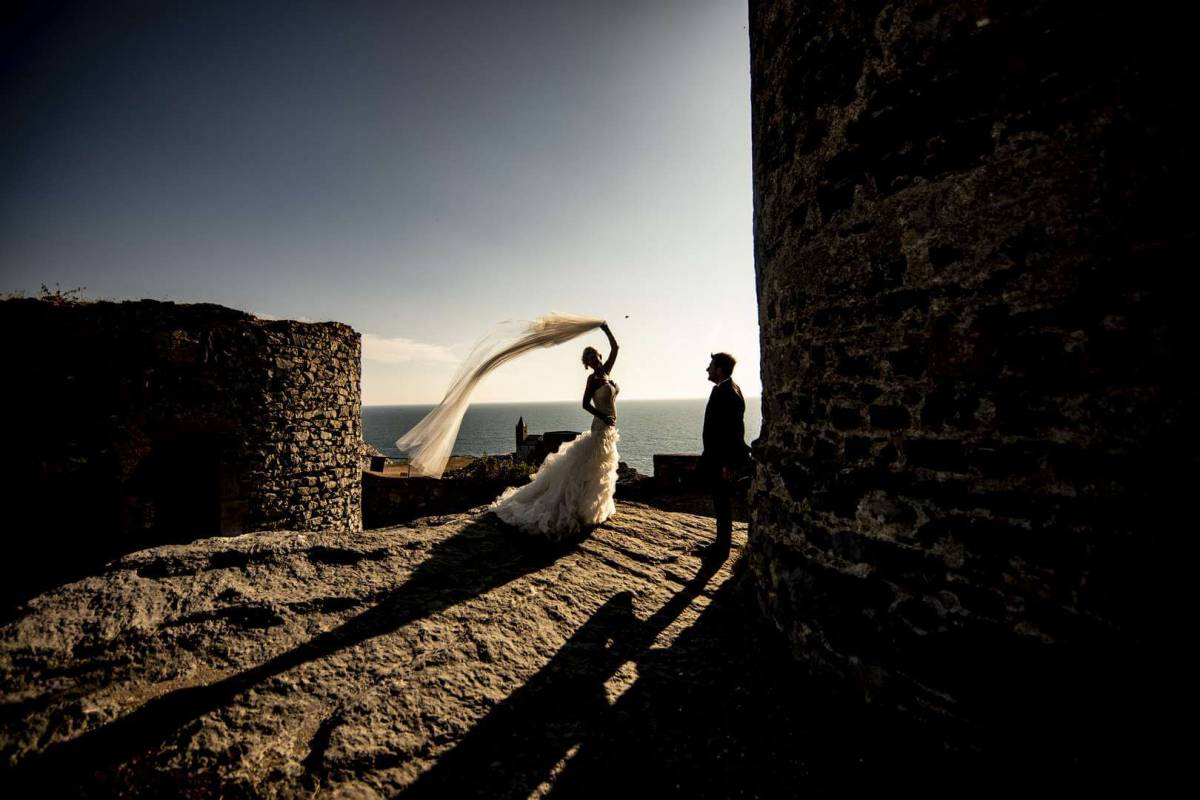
[646,427]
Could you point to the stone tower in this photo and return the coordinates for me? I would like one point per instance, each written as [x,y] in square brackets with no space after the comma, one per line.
[149,422]
[978,406]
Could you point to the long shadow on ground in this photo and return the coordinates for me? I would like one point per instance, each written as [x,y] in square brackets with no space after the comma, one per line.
[724,711]
[481,557]
[514,748]
[721,712]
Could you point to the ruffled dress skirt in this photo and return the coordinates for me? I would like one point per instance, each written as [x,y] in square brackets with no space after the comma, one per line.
[571,491]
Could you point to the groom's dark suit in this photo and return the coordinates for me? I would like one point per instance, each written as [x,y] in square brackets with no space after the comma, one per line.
[724,446]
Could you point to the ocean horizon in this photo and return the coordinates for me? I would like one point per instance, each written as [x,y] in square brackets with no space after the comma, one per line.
[646,427]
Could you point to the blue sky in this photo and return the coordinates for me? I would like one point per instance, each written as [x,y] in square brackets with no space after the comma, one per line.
[419,171]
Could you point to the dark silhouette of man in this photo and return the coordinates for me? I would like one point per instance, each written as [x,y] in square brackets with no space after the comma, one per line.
[726,456]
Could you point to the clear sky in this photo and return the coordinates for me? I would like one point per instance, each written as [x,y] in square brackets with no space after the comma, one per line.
[417,170]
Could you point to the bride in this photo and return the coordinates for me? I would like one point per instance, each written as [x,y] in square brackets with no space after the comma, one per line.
[573,489]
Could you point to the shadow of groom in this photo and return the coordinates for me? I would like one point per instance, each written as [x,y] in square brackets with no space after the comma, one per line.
[720,712]
[515,747]
[482,556]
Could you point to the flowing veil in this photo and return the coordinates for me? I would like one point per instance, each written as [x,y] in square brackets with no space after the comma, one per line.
[428,444]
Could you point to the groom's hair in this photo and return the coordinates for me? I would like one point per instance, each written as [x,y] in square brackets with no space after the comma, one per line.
[723,361]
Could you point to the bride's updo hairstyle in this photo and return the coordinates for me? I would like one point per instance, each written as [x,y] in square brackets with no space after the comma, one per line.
[589,351]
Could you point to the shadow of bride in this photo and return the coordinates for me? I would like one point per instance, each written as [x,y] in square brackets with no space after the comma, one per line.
[727,711]
[720,712]
[516,746]
[484,555]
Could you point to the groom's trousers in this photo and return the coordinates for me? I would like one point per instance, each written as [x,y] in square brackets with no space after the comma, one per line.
[722,497]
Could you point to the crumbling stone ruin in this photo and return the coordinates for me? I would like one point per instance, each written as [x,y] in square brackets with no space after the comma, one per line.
[141,423]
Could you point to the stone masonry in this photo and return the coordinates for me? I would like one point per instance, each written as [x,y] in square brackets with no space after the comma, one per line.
[978,406]
[148,422]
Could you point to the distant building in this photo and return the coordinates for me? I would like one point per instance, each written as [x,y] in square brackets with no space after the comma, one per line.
[533,449]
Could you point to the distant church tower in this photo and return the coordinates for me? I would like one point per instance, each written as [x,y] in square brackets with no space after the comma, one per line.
[522,432]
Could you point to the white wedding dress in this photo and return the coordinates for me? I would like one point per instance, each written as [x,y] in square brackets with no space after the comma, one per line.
[573,489]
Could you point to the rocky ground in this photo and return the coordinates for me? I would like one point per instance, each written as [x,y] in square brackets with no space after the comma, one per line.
[451,658]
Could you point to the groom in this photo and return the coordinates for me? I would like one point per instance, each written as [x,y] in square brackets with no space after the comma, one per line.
[725,454]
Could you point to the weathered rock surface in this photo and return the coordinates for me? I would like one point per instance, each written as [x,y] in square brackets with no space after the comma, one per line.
[282,663]
[297,660]
[454,657]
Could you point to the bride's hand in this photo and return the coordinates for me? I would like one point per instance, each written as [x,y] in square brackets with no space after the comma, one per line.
[610,420]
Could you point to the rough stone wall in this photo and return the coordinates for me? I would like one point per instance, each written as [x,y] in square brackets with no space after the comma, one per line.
[304,444]
[144,422]
[678,470]
[976,352]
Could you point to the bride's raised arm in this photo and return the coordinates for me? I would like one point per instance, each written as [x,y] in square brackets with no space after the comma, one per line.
[612,343]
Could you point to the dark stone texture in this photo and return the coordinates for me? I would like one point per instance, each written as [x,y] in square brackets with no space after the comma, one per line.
[968,224]
[142,423]
[889,417]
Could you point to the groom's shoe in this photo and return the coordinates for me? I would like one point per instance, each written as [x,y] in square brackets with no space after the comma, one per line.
[714,551]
